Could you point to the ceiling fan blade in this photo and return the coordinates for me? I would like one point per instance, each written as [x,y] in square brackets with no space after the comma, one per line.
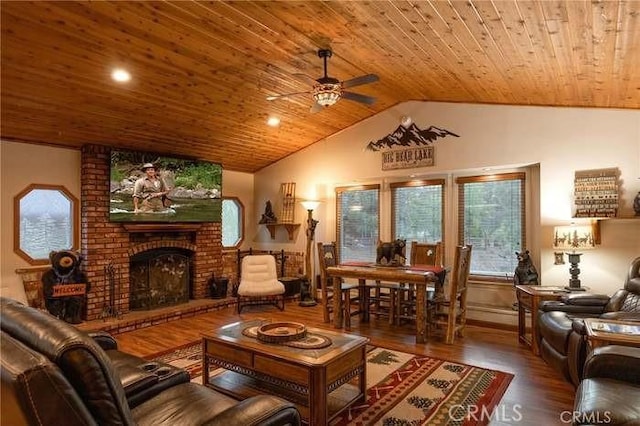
[286,95]
[357,81]
[358,98]
[316,107]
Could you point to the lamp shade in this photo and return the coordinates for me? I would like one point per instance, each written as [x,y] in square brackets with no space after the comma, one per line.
[573,237]
[327,94]
[310,204]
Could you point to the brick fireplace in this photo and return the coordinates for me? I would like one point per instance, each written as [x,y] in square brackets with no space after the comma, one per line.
[107,244]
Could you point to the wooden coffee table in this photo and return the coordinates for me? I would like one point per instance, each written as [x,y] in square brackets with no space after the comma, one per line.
[601,332]
[318,381]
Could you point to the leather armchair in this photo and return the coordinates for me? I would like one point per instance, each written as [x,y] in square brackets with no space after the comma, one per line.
[561,330]
[141,379]
[52,373]
[610,390]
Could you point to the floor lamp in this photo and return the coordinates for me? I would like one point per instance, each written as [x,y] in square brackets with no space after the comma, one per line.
[310,206]
[572,238]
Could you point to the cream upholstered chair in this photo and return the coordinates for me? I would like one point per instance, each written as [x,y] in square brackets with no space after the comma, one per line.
[259,283]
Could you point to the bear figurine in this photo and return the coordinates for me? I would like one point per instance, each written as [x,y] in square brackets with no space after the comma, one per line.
[391,254]
[65,269]
[525,272]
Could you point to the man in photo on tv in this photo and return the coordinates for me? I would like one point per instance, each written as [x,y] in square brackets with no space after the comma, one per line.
[150,192]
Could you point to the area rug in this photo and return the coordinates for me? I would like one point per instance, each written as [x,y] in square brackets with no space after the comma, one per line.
[402,388]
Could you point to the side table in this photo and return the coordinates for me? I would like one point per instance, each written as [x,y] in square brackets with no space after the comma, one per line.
[601,332]
[529,298]
[291,285]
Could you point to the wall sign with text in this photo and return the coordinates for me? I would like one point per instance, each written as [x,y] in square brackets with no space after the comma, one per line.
[408,158]
[416,147]
[596,193]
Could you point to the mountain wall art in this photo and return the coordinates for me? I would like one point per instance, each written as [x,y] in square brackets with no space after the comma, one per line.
[409,136]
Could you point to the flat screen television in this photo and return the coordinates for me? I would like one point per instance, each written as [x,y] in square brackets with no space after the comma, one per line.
[146,187]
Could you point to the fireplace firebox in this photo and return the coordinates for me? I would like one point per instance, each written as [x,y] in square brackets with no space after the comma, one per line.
[160,277]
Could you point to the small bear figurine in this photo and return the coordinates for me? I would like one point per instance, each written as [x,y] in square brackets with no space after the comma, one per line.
[525,272]
[65,269]
[391,254]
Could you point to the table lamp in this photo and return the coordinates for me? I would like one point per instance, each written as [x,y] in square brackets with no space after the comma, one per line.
[572,238]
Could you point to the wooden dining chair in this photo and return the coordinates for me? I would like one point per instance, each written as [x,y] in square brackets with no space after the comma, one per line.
[383,296]
[428,254]
[327,256]
[422,254]
[450,311]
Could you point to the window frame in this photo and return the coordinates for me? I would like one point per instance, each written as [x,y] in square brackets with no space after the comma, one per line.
[496,177]
[416,183]
[338,191]
[241,222]
[75,220]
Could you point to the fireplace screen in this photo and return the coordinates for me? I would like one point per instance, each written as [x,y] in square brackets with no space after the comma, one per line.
[159,278]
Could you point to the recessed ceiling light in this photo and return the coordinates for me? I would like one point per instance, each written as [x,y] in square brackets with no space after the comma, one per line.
[120,75]
[273,121]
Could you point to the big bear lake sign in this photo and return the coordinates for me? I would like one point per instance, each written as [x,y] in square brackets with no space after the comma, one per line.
[407,158]
[421,155]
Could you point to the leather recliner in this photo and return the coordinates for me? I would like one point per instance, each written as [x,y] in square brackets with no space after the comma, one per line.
[610,390]
[54,374]
[561,329]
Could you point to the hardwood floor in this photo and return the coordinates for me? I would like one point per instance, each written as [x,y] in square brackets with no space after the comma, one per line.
[536,396]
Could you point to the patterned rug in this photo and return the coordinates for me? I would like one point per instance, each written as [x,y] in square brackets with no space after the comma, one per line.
[402,388]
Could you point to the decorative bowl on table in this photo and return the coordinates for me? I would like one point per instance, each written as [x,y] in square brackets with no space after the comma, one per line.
[280,332]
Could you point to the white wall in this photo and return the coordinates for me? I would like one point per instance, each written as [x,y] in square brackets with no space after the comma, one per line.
[560,140]
[239,184]
[24,164]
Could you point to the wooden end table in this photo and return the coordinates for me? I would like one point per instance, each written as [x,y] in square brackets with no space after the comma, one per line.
[601,332]
[318,381]
[529,298]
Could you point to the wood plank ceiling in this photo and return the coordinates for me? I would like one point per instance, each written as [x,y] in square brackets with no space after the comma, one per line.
[201,72]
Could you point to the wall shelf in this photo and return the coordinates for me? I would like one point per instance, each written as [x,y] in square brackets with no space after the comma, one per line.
[596,223]
[290,227]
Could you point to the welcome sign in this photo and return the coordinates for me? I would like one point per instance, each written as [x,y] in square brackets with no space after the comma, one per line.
[408,158]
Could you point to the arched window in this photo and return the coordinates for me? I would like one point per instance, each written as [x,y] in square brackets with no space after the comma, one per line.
[232,222]
[46,218]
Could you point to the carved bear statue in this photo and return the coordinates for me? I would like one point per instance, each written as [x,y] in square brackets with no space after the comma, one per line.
[392,253]
[525,272]
[65,269]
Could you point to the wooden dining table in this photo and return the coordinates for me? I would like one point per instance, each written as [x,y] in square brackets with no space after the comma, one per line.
[423,277]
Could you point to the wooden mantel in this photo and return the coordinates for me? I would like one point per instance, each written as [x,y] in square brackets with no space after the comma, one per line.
[162,227]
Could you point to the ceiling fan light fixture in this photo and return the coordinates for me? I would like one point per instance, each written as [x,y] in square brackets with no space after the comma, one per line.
[327,94]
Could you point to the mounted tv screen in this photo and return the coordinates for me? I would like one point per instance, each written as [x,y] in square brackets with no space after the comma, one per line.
[152,188]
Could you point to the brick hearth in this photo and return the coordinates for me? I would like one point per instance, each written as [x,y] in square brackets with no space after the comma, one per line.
[106,243]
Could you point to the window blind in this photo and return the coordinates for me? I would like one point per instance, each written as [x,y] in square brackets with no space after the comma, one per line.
[358,222]
[417,211]
[491,217]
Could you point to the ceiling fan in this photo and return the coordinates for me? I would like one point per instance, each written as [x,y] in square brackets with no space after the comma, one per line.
[327,90]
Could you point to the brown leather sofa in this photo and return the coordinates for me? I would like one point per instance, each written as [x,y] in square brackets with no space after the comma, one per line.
[54,374]
[561,330]
[610,390]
